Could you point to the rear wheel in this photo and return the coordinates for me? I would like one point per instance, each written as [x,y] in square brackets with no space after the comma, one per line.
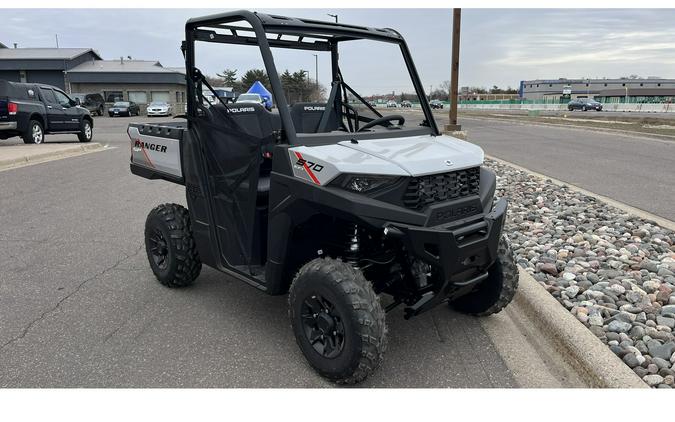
[497,290]
[35,133]
[86,131]
[170,247]
[337,320]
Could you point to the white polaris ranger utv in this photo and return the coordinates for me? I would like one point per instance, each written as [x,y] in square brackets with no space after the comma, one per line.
[340,206]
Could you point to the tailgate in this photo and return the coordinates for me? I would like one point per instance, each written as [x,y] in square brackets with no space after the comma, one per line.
[155,150]
[4,114]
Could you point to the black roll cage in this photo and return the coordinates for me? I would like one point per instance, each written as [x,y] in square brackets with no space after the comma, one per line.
[305,34]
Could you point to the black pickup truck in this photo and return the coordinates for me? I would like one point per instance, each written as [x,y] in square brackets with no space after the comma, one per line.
[33,110]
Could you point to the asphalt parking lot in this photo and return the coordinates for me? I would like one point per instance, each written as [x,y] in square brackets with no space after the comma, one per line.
[79,306]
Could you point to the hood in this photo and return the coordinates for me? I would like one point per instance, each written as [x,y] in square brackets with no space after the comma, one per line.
[409,156]
[421,155]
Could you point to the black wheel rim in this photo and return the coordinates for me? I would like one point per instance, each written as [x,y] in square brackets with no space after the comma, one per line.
[159,249]
[323,326]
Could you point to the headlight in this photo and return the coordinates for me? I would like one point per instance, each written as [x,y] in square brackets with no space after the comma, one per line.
[362,183]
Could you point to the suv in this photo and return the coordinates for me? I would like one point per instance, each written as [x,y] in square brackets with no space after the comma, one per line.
[33,110]
[92,102]
[352,213]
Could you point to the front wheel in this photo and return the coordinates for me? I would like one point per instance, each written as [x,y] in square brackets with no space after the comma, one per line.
[337,320]
[86,131]
[170,247]
[497,290]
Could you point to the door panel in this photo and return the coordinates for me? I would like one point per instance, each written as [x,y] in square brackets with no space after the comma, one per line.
[55,113]
[71,118]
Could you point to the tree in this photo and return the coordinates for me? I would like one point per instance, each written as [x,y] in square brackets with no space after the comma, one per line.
[229,77]
[253,75]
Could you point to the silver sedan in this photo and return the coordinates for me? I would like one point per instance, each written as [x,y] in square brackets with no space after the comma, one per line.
[159,108]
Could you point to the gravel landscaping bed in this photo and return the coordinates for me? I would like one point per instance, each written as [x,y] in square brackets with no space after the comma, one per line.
[613,271]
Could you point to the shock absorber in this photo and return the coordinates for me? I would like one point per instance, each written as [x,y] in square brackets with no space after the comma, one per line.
[353,245]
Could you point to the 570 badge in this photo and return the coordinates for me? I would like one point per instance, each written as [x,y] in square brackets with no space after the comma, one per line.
[310,165]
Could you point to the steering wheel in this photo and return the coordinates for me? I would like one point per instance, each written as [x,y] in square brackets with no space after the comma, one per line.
[382,120]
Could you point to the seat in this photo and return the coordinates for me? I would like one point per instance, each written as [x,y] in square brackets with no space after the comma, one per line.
[307,116]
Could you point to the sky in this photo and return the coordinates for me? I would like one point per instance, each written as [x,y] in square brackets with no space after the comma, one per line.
[498,46]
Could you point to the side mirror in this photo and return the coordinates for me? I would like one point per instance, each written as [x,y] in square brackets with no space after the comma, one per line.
[77,101]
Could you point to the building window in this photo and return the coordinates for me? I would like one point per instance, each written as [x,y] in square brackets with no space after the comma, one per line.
[112,96]
[605,84]
[178,96]
[164,96]
[139,97]
[641,84]
[623,84]
[658,84]
[182,96]
[22,76]
[586,84]
[550,85]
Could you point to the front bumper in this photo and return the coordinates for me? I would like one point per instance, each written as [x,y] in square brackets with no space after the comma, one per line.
[7,125]
[158,113]
[461,253]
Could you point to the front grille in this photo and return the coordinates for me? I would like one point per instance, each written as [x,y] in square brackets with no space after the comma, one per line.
[427,190]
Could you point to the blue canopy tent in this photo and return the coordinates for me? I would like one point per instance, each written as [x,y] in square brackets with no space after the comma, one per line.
[259,88]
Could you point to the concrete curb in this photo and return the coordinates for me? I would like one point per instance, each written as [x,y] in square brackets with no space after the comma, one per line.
[584,352]
[26,158]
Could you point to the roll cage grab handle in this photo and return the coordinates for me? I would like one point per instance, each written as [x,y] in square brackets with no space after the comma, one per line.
[331,34]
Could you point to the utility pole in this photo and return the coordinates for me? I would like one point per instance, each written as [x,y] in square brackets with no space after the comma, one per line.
[454,77]
[334,16]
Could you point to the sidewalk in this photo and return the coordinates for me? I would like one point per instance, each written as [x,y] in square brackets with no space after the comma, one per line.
[13,156]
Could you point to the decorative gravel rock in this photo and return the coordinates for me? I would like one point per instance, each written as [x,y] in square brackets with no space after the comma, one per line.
[617,326]
[653,380]
[618,268]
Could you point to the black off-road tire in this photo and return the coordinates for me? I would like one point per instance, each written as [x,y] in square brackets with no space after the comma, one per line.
[86,134]
[360,314]
[171,222]
[28,135]
[497,290]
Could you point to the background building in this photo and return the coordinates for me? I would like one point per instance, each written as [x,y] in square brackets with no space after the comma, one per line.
[139,81]
[650,89]
[43,65]
[83,71]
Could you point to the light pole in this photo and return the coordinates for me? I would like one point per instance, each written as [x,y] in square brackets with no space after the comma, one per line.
[334,16]
[316,68]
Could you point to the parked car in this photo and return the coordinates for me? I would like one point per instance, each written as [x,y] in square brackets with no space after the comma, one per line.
[584,104]
[124,108]
[251,98]
[33,110]
[391,104]
[92,102]
[159,108]
[406,104]
[437,104]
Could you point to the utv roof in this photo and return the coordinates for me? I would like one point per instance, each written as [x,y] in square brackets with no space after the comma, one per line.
[283,31]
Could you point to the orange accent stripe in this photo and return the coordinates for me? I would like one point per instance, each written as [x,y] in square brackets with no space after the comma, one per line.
[145,154]
[307,169]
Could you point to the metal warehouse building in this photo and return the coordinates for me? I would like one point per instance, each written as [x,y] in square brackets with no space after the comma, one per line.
[83,71]
[605,90]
